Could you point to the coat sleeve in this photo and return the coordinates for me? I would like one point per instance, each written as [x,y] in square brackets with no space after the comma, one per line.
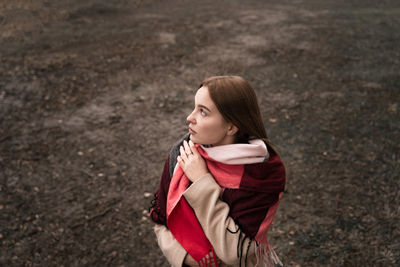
[170,247]
[229,242]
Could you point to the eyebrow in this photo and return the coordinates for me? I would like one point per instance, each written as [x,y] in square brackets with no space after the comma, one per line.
[202,106]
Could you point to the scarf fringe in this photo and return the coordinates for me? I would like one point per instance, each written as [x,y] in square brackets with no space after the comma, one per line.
[266,256]
[208,259]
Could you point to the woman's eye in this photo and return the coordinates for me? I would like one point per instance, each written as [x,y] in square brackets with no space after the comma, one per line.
[202,112]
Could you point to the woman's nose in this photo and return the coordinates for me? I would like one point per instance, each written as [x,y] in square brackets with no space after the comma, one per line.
[190,118]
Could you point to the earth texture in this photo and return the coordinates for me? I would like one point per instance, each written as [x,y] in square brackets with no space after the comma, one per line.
[94,93]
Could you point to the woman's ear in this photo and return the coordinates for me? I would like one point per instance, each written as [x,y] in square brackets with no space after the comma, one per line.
[232,129]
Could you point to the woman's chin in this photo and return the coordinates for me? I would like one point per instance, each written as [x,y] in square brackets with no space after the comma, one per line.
[195,140]
[192,138]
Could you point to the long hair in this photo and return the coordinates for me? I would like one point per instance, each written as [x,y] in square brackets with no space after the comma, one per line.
[237,102]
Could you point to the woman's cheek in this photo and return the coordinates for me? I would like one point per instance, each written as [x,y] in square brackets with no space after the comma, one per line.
[205,128]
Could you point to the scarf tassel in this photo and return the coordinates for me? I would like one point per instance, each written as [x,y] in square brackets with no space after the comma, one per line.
[266,256]
[206,261]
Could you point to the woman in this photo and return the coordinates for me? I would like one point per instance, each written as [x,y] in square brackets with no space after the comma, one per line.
[221,183]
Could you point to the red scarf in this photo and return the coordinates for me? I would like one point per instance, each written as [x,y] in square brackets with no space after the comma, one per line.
[185,227]
[265,180]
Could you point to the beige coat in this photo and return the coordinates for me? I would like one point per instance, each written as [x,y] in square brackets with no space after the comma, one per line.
[212,213]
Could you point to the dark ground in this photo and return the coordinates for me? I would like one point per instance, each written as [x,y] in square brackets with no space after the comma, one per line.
[94,93]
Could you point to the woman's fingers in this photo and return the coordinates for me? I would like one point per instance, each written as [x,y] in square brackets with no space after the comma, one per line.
[180,161]
[183,153]
[193,148]
[191,161]
[187,148]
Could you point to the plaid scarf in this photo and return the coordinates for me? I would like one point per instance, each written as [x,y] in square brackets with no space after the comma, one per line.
[252,180]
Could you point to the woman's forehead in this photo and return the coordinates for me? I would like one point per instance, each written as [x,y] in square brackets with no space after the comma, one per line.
[203,98]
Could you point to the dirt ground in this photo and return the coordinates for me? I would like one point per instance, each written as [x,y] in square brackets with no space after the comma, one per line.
[93,94]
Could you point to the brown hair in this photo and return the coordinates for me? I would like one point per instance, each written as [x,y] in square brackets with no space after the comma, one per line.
[237,102]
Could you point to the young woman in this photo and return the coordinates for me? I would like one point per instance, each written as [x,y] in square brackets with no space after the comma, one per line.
[221,184]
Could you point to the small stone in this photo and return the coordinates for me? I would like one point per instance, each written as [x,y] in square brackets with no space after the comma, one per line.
[272,120]
[325,153]
[291,243]
[80,153]
[392,108]
[371,85]
[100,174]
[147,194]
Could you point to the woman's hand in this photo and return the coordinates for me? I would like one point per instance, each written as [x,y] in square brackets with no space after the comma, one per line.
[191,162]
[189,261]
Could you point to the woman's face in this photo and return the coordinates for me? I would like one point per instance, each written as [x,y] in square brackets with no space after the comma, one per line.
[206,124]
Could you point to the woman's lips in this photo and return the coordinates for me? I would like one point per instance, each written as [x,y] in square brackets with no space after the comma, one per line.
[191,131]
